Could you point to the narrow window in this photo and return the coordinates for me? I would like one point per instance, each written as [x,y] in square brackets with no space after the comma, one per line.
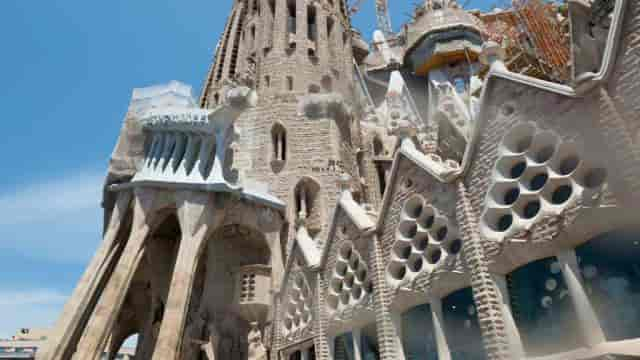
[289,83]
[279,142]
[291,20]
[312,29]
[267,81]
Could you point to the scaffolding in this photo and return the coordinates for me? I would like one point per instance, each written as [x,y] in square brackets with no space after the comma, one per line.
[535,38]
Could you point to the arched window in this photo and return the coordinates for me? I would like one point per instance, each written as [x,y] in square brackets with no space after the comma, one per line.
[610,266]
[542,308]
[279,142]
[418,333]
[462,327]
[307,205]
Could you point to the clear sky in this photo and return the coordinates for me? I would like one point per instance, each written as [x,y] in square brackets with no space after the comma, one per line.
[67,70]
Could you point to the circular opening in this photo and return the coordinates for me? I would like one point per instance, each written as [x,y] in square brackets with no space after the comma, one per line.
[397,271]
[517,169]
[421,243]
[543,155]
[341,268]
[455,247]
[403,250]
[537,182]
[504,222]
[408,229]
[413,207]
[361,274]
[561,194]
[345,252]
[416,264]
[511,196]
[442,233]
[355,261]
[336,285]
[356,292]
[595,177]
[435,256]
[568,165]
[427,222]
[348,280]
[531,209]
[344,298]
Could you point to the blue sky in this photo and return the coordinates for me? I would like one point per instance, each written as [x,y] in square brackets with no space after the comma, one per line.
[67,70]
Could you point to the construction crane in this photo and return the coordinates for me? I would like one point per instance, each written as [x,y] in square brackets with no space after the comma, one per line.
[382,15]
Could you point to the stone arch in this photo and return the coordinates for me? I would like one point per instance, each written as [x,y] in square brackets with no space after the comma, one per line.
[307,204]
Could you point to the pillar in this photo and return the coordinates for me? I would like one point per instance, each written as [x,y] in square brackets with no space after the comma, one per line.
[61,341]
[485,292]
[439,331]
[108,307]
[356,337]
[516,348]
[592,332]
[387,336]
[198,218]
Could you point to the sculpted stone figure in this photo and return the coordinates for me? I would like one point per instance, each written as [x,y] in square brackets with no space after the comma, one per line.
[257,350]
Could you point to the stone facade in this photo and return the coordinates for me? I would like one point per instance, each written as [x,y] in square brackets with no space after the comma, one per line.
[415,200]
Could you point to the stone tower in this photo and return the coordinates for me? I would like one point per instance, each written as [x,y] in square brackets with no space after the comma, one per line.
[203,203]
[301,137]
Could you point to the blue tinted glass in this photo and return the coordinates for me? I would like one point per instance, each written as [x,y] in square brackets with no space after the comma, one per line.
[542,308]
[610,266]
[369,343]
[461,326]
[417,334]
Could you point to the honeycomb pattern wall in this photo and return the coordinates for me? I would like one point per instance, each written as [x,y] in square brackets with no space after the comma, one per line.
[298,307]
[537,174]
[424,238]
[350,282]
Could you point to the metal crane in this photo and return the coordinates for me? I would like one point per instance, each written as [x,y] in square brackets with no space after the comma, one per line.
[382,15]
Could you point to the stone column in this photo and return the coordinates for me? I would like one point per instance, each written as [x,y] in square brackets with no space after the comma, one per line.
[198,218]
[513,335]
[439,331]
[485,292]
[387,335]
[356,337]
[588,320]
[108,307]
[323,343]
[60,343]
